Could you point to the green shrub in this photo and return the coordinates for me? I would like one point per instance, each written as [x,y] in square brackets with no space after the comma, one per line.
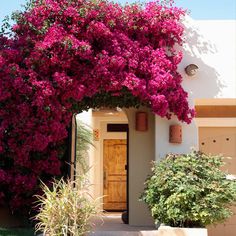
[189,190]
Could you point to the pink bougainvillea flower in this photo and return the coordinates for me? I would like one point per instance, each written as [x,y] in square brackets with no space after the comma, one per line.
[61,56]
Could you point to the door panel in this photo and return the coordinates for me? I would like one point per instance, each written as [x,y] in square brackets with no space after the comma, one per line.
[216,140]
[114,174]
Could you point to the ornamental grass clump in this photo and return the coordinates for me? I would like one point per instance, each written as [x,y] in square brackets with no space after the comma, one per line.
[189,190]
[66,208]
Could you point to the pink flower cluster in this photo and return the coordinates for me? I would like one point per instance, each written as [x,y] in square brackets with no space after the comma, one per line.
[65,51]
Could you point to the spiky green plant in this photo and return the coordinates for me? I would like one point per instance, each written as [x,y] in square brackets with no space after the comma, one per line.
[83,144]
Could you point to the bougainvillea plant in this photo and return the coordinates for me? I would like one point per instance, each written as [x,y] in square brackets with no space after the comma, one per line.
[65,56]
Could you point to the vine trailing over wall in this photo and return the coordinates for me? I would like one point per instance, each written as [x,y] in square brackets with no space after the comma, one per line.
[66,56]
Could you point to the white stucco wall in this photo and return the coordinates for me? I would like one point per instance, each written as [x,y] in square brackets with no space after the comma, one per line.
[189,137]
[211,45]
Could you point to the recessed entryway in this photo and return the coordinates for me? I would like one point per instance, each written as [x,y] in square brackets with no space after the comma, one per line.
[108,158]
[140,152]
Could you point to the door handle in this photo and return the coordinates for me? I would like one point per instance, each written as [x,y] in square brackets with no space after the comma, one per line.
[105,179]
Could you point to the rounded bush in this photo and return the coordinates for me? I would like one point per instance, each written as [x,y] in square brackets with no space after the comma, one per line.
[189,190]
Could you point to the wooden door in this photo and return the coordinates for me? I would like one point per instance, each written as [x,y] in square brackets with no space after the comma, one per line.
[114,174]
[216,140]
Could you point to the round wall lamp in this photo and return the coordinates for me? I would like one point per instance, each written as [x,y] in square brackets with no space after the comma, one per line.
[191,69]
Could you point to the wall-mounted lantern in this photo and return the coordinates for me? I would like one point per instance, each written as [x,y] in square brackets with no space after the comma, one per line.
[141,121]
[191,69]
[175,134]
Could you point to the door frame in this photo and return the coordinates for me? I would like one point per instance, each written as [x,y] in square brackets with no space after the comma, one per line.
[123,128]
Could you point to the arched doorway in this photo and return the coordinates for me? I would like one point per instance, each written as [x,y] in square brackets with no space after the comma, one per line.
[120,181]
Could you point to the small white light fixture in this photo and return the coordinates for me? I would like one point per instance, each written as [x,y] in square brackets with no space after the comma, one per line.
[191,69]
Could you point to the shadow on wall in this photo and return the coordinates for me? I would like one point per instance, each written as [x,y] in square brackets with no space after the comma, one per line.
[207,83]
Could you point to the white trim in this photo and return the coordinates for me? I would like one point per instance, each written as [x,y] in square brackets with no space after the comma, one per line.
[215,102]
[215,122]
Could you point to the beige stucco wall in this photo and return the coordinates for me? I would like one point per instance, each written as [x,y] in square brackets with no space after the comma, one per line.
[141,153]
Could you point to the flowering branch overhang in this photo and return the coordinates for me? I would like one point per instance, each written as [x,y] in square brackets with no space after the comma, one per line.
[66,56]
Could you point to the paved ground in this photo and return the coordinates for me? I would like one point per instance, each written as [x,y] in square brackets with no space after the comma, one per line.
[112,225]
